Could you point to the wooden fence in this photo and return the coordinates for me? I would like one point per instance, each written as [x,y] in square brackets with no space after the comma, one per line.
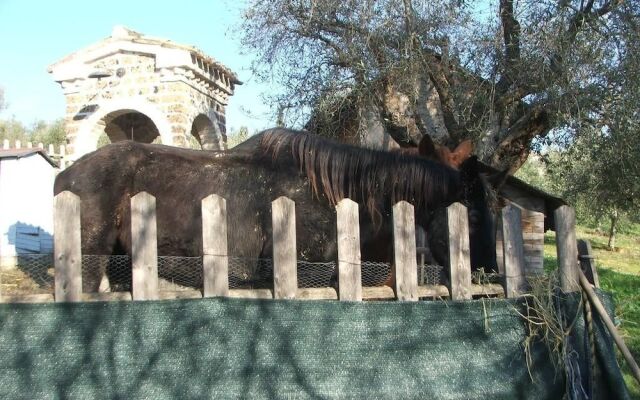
[59,156]
[68,257]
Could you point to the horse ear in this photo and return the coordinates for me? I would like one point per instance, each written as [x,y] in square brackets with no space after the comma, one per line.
[426,147]
[461,153]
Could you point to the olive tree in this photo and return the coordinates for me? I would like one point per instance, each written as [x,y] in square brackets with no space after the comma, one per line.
[502,73]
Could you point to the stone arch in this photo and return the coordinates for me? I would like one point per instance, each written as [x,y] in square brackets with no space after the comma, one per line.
[207,132]
[130,125]
[110,118]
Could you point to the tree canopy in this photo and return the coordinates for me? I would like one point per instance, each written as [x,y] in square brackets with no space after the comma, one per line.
[508,75]
[39,132]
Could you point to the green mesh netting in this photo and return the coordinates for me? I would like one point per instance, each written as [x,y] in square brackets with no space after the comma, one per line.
[237,348]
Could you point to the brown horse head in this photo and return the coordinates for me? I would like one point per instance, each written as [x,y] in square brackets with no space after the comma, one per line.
[452,158]
[435,152]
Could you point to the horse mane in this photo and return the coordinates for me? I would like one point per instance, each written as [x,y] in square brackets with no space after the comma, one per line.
[340,171]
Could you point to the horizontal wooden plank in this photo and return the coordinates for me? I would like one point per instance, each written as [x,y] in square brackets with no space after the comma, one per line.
[529,235]
[28,237]
[179,294]
[46,248]
[26,240]
[26,229]
[378,293]
[29,298]
[27,250]
[537,269]
[106,296]
[487,289]
[251,293]
[433,291]
[534,215]
[534,256]
[325,293]
[537,252]
[368,293]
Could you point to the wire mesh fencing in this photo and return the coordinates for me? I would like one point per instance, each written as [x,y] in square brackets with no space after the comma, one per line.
[34,274]
[480,277]
[431,275]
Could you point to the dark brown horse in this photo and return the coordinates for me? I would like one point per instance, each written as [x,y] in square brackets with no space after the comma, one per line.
[312,171]
[432,151]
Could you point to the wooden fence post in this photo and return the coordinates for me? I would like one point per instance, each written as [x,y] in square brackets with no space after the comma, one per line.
[513,247]
[349,261]
[587,262]
[215,260]
[459,252]
[62,162]
[285,273]
[567,248]
[67,250]
[144,248]
[404,249]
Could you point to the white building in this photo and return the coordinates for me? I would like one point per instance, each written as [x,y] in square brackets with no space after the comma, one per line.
[26,203]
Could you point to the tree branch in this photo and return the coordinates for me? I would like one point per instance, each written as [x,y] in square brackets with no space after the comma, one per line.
[581,17]
[534,122]
[442,83]
[511,35]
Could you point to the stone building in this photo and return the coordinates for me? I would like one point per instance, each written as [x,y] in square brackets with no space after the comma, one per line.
[132,86]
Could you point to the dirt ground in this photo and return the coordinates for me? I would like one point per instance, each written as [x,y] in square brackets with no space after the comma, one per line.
[16,281]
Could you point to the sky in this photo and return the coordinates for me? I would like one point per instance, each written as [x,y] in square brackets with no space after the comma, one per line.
[36,33]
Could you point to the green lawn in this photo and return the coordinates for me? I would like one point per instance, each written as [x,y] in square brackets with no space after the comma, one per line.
[619,273]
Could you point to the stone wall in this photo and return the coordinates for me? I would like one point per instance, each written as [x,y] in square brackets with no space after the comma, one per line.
[175,98]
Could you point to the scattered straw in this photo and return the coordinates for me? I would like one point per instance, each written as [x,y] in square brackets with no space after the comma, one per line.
[545,322]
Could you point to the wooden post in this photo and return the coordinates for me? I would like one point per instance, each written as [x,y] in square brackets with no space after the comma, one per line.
[18,144]
[215,260]
[635,369]
[513,246]
[459,252]
[51,150]
[499,245]
[404,249]
[62,156]
[144,248]
[5,144]
[567,248]
[587,262]
[285,273]
[421,245]
[40,145]
[67,252]
[349,267]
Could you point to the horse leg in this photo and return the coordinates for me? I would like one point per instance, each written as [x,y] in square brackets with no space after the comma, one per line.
[98,242]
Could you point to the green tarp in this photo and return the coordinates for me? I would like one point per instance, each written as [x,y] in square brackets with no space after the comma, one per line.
[237,348]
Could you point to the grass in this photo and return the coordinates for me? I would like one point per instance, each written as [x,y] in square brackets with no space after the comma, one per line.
[619,273]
